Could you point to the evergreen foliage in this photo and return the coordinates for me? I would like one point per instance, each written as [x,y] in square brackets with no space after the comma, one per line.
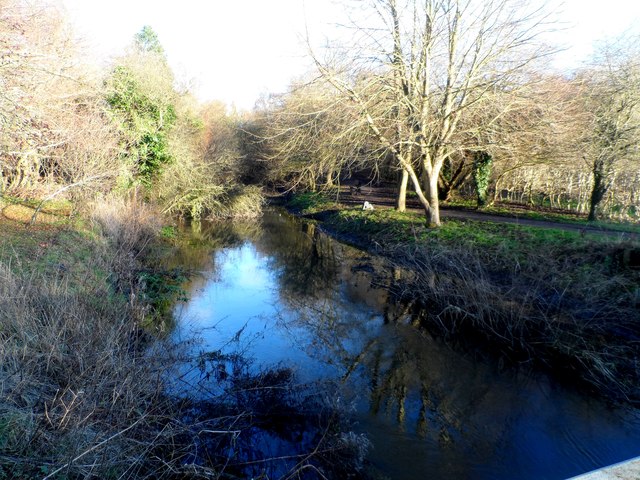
[482,162]
[146,41]
[145,123]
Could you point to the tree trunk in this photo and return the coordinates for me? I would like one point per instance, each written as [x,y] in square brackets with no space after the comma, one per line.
[330,181]
[433,211]
[601,182]
[401,200]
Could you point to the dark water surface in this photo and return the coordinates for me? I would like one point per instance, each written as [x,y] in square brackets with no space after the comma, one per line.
[284,294]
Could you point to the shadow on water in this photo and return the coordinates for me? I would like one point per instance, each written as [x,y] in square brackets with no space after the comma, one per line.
[279,304]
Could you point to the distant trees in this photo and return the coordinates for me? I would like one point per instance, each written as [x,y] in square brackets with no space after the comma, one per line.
[577,134]
[450,96]
[147,41]
[66,130]
[310,137]
[187,153]
[611,96]
[442,97]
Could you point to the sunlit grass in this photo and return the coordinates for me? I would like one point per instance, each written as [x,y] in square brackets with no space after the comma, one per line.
[553,295]
[519,211]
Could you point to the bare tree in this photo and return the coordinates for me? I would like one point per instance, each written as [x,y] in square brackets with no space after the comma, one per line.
[420,65]
[612,97]
[312,136]
[539,125]
[54,130]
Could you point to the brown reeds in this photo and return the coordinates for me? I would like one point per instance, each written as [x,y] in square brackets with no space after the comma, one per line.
[577,317]
[80,388]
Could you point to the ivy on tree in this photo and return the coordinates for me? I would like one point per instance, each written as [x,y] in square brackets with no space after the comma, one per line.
[146,117]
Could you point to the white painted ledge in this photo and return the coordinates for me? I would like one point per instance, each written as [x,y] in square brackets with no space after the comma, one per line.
[629,470]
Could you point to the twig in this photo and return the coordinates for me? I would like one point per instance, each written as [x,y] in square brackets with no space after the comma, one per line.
[93,448]
[67,187]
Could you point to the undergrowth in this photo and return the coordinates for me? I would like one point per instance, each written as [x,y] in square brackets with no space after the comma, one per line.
[555,298]
[87,370]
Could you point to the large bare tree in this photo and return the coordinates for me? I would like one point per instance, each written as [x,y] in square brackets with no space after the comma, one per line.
[414,67]
[611,92]
[312,136]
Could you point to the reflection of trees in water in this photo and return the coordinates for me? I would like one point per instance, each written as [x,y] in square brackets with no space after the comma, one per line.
[264,424]
[347,312]
[428,389]
[196,241]
[445,396]
[305,261]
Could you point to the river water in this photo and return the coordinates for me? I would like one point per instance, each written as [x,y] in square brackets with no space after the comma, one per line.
[281,293]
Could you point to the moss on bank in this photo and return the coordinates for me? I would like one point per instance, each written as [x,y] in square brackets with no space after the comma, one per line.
[550,297]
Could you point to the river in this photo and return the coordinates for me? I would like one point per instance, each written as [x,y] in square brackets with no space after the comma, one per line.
[281,294]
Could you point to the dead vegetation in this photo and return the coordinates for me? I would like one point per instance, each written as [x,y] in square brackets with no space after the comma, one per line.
[81,384]
[577,317]
[87,383]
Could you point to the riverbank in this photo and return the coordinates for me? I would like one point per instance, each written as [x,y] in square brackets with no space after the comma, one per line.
[82,361]
[554,299]
[92,380]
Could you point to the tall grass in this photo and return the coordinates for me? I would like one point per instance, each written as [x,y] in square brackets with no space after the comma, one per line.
[545,307]
[80,389]
[85,390]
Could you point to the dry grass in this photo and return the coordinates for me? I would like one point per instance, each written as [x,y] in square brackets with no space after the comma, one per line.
[80,387]
[84,389]
[81,384]
[582,322]
[73,374]
[128,225]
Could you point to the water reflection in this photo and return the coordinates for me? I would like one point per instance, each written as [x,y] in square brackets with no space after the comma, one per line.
[304,301]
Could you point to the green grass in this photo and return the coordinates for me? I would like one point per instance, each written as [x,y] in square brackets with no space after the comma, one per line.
[573,218]
[409,227]
[501,247]
[45,247]
[386,225]
[312,202]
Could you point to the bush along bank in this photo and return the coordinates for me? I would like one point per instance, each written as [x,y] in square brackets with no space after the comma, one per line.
[544,297]
[87,371]
[81,391]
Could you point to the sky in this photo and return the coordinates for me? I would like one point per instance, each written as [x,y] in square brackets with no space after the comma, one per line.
[237,50]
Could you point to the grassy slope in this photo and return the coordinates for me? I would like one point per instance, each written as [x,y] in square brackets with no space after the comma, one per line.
[55,243]
[71,372]
[558,297]
[388,227]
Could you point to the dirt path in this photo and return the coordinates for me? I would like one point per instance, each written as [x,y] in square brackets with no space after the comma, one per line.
[381,197]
